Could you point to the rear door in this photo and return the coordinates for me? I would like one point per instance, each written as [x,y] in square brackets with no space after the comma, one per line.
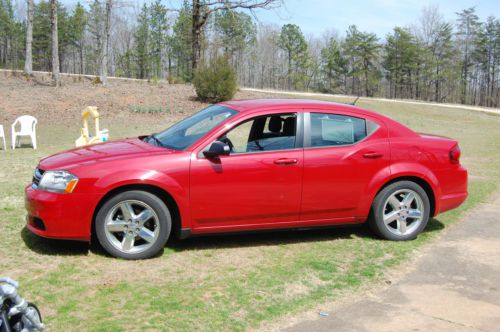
[342,154]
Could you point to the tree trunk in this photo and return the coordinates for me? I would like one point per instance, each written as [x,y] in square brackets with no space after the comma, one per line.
[463,99]
[289,74]
[55,43]
[196,32]
[105,44]
[28,63]
[436,86]
[367,89]
[81,60]
[493,76]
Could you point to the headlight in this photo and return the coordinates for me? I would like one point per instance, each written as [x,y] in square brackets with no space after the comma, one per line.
[58,182]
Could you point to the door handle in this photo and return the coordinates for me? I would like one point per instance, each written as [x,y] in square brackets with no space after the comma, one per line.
[373,155]
[285,161]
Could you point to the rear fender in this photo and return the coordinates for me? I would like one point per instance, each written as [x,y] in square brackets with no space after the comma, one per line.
[395,171]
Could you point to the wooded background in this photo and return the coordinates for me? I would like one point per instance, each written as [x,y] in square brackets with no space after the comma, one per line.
[430,59]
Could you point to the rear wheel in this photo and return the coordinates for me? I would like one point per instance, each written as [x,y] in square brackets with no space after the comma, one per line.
[133,225]
[400,211]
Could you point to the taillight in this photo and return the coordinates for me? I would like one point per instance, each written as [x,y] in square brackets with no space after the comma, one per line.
[455,155]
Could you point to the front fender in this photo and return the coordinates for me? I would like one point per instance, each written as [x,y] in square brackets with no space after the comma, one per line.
[138,176]
[174,187]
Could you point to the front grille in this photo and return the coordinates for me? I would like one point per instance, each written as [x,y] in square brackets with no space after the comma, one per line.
[37,177]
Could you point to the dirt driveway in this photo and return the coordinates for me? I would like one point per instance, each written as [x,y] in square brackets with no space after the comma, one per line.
[455,286]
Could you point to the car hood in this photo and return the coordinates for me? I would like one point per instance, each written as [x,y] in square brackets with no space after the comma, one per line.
[90,154]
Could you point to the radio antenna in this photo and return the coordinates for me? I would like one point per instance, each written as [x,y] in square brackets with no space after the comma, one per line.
[354,102]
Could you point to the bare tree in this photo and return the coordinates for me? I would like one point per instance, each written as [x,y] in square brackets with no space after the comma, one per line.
[28,63]
[202,9]
[55,43]
[105,44]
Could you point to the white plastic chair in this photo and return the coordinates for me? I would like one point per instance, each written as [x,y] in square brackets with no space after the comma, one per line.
[2,136]
[28,128]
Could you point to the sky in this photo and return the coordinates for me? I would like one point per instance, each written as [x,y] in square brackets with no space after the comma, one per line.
[378,16]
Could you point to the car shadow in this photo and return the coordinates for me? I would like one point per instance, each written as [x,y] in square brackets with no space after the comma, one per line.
[46,246]
[282,237]
[233,240]
[433,225]
[267,238]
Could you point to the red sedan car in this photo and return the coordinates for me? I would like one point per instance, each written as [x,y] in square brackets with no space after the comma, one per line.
[248,165]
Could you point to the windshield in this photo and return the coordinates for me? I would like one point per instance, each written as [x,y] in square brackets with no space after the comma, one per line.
[184,133]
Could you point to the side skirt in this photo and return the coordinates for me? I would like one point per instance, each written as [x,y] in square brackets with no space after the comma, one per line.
[187,233]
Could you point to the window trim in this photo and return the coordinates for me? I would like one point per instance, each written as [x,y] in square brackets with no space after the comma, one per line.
[299,134]
[307,130]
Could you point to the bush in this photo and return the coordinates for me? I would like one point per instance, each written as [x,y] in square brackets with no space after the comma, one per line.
[96,81]
[216,82]
[172,79]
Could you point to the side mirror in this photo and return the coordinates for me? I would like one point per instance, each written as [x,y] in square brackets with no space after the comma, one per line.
[217,149]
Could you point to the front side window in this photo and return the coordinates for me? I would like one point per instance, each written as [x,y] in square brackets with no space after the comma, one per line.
[186,132]
[334,129]
[266,133]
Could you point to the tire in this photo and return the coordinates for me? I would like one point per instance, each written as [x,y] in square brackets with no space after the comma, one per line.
[400,211]
[133,225]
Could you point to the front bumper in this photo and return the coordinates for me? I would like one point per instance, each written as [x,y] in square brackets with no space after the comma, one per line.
[60,216]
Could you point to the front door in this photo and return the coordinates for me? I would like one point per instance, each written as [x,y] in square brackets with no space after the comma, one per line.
[258,185]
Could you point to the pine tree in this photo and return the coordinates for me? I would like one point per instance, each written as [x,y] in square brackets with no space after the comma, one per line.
[487,56]
[442,50]
[468,26]
[236,31]
[77,25]
[362,50]
[182,42]
[292,41]
[201,11]
[334,66]
[158,25]
[141,37]
[95,29]
[399,62]
[12,37]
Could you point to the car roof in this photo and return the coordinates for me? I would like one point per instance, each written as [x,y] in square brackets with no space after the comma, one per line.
[247,105]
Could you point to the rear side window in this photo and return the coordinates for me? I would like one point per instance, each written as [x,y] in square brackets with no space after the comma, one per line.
[333,129]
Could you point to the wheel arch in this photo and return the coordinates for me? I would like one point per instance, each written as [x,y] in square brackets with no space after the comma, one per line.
[421,182]
[155,190]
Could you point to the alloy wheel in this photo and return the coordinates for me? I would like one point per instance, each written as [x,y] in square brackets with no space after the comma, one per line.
[132,226]
[403,212]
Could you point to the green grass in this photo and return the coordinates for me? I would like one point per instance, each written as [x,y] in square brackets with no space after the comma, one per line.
[154,109]
[218,283]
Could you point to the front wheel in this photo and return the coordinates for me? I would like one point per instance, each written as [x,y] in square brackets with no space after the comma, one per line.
[133,225]
[400,211]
